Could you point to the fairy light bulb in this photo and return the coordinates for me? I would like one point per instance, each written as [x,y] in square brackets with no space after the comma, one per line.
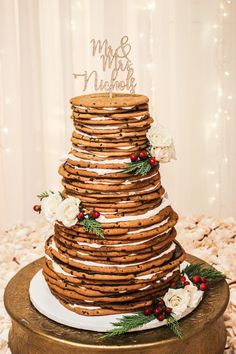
[141,34]
[151,6]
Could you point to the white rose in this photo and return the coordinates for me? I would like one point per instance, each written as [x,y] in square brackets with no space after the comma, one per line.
[195,295]
[164,154]
[178,300]
[67,211]
[49,206]
[162,146]
[159,136]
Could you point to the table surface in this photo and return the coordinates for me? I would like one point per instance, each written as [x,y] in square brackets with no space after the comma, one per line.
[211,239]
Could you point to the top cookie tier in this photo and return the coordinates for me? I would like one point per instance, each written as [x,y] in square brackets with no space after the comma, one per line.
[102,100]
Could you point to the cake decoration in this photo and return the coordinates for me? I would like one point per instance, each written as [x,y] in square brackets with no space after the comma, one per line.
[114,249]
[187,293]
[117,61]
[55,207]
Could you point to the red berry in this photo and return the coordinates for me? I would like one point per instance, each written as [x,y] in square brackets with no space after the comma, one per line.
[182,279]
[37,208]
[173,285]
[147,311]
[161,317]
[203,280]
[80,216]
[168,310]
[133,157]
[143,155]
[153,161]
[161,303]
[95,214]
[186,283]
[157,311]
[203,287]
[196,279]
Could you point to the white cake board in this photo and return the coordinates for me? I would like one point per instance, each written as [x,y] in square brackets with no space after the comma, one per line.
[49,306]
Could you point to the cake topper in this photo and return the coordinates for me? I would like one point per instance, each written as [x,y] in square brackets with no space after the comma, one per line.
[115,61]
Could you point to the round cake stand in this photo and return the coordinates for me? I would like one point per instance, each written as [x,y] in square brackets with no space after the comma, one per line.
[32,333]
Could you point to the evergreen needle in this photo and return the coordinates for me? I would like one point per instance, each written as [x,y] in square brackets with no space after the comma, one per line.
[128,322]
[174,326]
[208,273]
[43,195]
[138,167]
[92,225]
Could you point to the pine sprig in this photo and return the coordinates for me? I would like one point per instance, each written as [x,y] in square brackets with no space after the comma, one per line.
[43,195]
[138,167]
[208,273]
[128,322]
[174,326]
[92,225]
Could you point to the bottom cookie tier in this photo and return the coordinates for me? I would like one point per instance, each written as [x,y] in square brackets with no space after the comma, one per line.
[31,332]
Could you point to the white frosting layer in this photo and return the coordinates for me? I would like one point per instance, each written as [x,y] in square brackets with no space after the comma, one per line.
[105,108]
[148,214]
[101,127]
[99,171]
[95,245]
[96,264]
[150,275]
[84,134]
[149,228]
[111,162]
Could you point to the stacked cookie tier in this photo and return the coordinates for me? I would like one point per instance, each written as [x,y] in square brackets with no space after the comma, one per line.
[138,258]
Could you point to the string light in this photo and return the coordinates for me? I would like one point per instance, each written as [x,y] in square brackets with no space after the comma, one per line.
[141,34]
[73,27]
[212,199]
[224,97]
[151,6]
[8,150]
[149,65]
[5,130]
[7,100]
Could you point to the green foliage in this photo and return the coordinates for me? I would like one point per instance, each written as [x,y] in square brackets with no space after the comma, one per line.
[43,195]
[208,273]
[141,167]
[128,322]
[92,225]
[174,326]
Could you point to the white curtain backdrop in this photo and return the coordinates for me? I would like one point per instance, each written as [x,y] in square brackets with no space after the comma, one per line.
[184,54]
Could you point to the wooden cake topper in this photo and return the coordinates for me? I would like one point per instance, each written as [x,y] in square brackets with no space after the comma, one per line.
[117,62]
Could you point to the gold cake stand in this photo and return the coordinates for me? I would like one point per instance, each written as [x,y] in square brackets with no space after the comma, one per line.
[32,333]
